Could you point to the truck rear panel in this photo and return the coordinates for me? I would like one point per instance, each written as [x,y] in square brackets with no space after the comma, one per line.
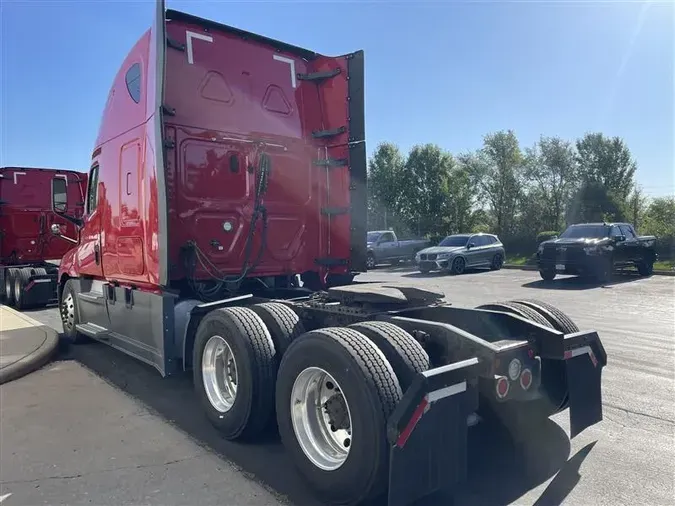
[232,96]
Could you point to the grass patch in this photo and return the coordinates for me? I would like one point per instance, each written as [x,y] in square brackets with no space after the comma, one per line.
[516,259]
[664,265]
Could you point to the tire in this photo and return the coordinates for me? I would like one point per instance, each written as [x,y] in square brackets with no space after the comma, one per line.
[458,266]
[9,285]
[518,309]
[547,274]
[554,372]
[371,263]
[282,322]
[560,321]
[70,315]
[497,262]
[604,270]
[371,390]
[406,356]
[21,278]
[645,268]
[241,331]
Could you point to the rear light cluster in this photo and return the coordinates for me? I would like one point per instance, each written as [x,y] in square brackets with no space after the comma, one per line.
[516,372]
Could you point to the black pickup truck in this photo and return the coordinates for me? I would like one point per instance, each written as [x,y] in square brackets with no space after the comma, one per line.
[595,250]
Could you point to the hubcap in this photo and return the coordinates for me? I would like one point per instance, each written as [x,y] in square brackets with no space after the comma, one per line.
[370,262]
[68,312]
[321,418]
[219,373]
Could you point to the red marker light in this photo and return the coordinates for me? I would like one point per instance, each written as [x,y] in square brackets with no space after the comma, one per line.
[526,379]
[502,387]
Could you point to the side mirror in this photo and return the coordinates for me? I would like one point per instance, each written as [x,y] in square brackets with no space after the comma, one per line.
[56,230]
[620,238]
[553,237]
[471,245]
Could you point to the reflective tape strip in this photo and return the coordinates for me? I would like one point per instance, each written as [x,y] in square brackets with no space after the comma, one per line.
[582,351]
[424,406]
[442,393]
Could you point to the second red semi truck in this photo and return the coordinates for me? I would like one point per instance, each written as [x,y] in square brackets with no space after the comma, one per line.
[28,250]
[228,165]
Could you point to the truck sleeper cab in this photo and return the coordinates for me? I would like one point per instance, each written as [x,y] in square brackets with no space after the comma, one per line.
[28,274]
[227,164]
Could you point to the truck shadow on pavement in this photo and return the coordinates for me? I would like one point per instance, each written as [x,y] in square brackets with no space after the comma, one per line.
[580,283]
[498,473]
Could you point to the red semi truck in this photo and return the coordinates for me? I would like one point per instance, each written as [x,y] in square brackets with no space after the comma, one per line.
[27,277]
[228,165]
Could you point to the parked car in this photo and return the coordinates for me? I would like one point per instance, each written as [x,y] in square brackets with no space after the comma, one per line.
[458,252]
[385,248]
[595,250]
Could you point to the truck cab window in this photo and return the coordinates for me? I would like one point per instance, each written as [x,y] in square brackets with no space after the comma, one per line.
[60,194]
[387,237]
[133,80]
[615,232]
[627,231]
[92,190]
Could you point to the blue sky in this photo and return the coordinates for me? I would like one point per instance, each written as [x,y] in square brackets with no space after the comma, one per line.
[444,72]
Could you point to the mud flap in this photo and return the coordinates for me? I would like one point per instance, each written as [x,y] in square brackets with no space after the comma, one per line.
[584,382]
[427,433]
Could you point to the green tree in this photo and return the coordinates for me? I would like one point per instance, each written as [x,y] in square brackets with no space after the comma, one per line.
[426,190]
[386,182]
[499,164]
[660,218]
[552,171]
[594,203]
[636,206]
[606,161]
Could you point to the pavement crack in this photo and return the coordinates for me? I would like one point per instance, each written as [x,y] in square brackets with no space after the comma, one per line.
[640,413]
[101,471]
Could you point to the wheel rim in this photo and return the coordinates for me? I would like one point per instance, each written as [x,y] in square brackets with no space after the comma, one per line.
[68,312]
[498,261]
[8,287]
[370,263]
[17,289]
[459,265]
[219,373]
[321,418]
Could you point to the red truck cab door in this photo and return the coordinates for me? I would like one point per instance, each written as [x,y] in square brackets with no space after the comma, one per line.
[89,255]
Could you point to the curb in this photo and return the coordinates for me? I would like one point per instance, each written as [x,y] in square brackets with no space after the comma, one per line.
[36,358]
[534,268]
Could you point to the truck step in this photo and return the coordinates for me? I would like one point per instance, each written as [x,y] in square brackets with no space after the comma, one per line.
[92,330]
[92,297]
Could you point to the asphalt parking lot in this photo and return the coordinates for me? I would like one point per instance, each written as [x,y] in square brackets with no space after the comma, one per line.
[171,455]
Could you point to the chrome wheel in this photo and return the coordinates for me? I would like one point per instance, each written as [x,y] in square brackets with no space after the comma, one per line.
[17,289]
[370,262]
[219,373]
[68,312]
[321,418]
[8,286]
